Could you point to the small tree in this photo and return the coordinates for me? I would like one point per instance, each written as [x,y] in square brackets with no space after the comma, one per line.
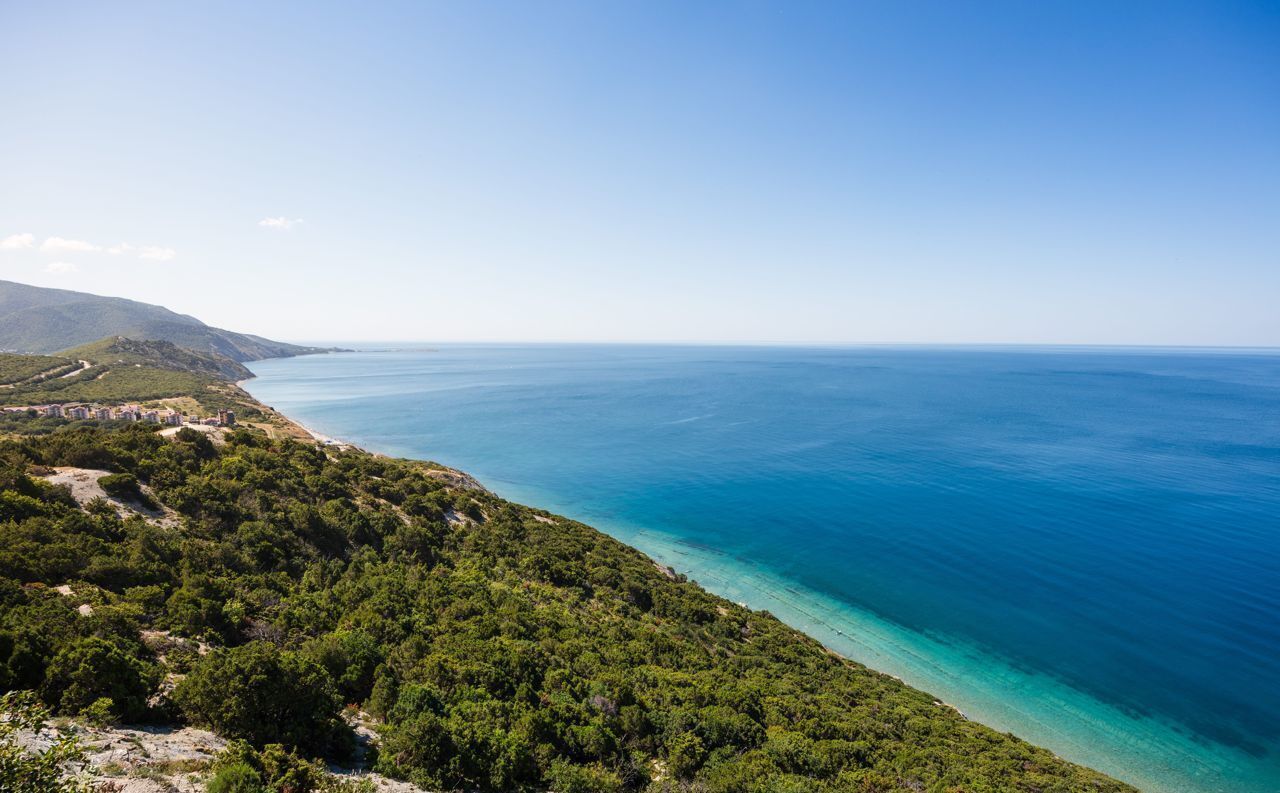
[566,777]
[93,668]
[124,486]
[685,754]
[242,769]
[263,695]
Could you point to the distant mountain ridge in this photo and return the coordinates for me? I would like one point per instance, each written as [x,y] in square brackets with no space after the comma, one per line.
[38,320]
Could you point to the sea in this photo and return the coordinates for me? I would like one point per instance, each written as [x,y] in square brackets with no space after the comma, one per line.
[1077,545]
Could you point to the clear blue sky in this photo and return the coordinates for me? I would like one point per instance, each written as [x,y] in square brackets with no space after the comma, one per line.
[1067,172]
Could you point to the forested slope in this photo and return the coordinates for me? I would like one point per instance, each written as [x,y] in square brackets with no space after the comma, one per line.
[498,647]
[119,370]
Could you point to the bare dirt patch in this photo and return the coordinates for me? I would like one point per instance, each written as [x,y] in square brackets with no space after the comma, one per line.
[83,483]
[158,759]
[216,434]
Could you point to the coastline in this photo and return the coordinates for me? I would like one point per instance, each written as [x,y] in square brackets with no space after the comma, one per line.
[325,439]
[1153,755]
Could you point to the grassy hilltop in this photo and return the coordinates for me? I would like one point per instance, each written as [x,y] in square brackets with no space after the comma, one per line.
[256,586]
[159,354]
[121,370]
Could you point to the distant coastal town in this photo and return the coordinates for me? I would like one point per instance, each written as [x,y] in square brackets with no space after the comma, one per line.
[93,412]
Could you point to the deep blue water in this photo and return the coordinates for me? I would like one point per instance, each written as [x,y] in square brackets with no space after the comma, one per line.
[1079,545]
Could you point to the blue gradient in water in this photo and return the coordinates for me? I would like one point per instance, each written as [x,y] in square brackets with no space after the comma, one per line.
[1106,523]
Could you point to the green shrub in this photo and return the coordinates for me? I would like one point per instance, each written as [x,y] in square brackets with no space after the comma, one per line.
[199,608]
[123,486]
[235,778]
[100,713]
[684,755]
[126,488]
[285,771]
[242,769]
[350,658]
[263,695]
[420,744]
[569,778]
[93,668]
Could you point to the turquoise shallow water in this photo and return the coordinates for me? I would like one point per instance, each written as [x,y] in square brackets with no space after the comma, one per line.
[1077,545]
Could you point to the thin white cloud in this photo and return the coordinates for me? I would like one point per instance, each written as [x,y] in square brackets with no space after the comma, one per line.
[56,245]
[61,268]
[61,245]
[281,223]
[156,253]
[15,241]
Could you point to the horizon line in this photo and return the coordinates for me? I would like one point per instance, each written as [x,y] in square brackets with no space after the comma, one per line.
[773,343]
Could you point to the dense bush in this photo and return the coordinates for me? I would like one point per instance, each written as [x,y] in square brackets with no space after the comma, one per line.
[569,778]
[126,488]
[92,669]
[121,486]
[235,778]
[240,768]
[350,658]
[264,695]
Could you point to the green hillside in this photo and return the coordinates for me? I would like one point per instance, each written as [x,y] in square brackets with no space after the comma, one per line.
[160,355]
[16,370]
[109,385]
[38,320]
[120,370]
[496,647]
